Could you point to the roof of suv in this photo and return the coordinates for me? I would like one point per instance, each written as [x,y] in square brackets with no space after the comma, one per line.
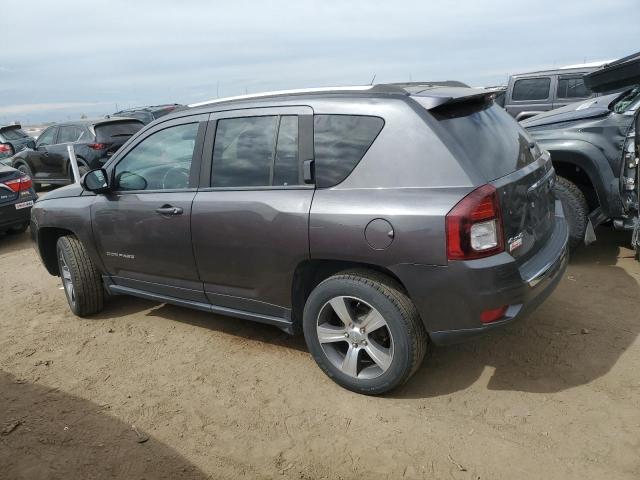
[94,121]
[438,92]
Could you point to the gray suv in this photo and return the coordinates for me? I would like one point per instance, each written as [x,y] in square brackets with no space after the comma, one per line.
[529,94]
[374,219]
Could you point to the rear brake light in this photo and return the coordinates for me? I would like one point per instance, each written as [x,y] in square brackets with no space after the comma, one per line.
[474,226]
[97,146]
[6,148]
[493,314]
[20,184]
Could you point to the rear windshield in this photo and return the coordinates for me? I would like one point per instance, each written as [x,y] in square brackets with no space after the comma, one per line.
[116,130]
[486,136]
[13,133]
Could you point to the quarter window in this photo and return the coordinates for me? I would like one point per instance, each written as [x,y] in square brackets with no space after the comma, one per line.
[161,161]
[572,87]
[340,141]
[531,89]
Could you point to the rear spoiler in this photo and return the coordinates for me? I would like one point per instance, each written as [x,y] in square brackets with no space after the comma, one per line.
[15,126]
[622,73]
[441,97]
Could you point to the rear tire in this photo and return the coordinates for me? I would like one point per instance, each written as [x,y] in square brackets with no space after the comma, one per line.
[24,168]
[81,279]
[386,351]
[576,210]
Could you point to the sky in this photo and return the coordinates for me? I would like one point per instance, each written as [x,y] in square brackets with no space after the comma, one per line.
[69,58]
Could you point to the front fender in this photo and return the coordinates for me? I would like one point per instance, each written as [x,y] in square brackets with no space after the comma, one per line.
[593,162]
[53,218]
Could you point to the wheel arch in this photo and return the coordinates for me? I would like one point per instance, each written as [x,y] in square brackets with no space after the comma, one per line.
[47,241]
[309,273]
[584,165]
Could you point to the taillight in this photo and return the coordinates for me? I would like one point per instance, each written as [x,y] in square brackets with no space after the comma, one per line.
[474,226]
[20,184]
[493,314]
[6,149]
[97,146]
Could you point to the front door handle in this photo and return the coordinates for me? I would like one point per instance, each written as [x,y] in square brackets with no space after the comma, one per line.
[169,210]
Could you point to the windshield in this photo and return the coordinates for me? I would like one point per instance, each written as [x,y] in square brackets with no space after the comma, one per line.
[488,136]
[108,132]
[628,102]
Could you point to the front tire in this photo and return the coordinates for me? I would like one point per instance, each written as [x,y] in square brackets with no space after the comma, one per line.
[364,332]
[81,279]
[576,210]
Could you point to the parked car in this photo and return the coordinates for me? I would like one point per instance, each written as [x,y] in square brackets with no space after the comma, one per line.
[622,73]
[16,199]
[13,140]
[94,141]
[529,94]
[375,219]
[591,146]
[148,114]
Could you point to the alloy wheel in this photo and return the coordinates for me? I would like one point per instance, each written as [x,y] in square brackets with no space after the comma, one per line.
[67,281]
[355,337]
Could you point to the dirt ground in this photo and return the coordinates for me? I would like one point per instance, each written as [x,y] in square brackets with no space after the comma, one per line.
[554,396]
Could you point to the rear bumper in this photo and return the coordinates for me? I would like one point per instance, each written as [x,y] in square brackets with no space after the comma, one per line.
[10,216]
[451,298]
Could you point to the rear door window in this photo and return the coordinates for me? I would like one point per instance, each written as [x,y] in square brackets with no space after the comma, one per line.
[116,131]
[572,87]
[531,89]
[256,152]
[340,142]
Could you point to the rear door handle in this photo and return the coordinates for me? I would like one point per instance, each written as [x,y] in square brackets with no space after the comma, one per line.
[169,210]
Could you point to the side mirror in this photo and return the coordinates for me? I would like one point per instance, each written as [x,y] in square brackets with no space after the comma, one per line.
[96,181]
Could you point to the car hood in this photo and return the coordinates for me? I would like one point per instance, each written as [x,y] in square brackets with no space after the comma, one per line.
[73,190]
[592,108]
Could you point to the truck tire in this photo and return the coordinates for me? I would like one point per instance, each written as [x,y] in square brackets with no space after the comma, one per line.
[364,332]
[576,210]
[81,279]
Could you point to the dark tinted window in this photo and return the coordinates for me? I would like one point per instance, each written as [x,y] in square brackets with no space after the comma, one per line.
[286,169]
[243,151]
[531,89]
[161,161]
[572,87]
[141,115]
[340,141]
[486,136]
[108,132]
[47,137]
[13,134]
[69,134]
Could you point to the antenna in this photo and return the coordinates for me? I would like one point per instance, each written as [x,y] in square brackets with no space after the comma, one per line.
[374,77]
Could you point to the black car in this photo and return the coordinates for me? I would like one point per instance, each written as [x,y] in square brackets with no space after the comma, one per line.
[16,199]
[13,140]
[94,142]
[148,114]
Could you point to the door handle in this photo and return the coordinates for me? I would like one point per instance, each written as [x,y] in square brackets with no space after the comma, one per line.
[169,210]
